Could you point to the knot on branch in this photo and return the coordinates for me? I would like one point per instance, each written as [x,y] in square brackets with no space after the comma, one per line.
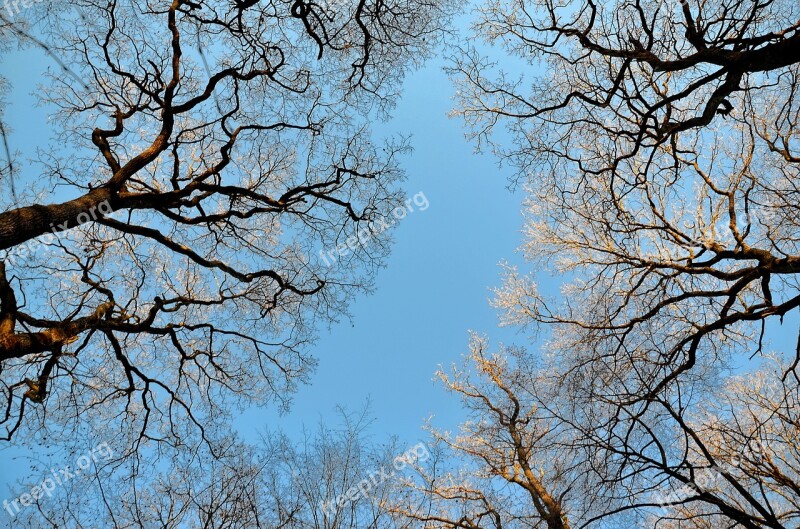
[35,391]
[725,108]
[302,11]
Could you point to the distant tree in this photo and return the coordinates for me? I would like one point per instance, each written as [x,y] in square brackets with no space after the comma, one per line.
[658,146]
[161,255]
[323,480]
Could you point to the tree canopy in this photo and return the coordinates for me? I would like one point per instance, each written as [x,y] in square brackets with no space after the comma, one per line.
[212,150]
[162,254]
[658,146]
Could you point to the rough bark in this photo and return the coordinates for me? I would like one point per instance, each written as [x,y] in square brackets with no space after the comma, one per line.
[23,224]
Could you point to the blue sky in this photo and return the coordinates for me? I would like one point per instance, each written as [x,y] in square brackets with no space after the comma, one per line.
[436,283]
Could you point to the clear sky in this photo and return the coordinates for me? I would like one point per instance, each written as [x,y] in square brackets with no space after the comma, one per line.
[436,284]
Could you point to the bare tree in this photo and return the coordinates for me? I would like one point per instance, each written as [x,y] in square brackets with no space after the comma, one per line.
[533,455]
[658,144]
[315,481]
[162,264]
[677,214]
[507,466]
